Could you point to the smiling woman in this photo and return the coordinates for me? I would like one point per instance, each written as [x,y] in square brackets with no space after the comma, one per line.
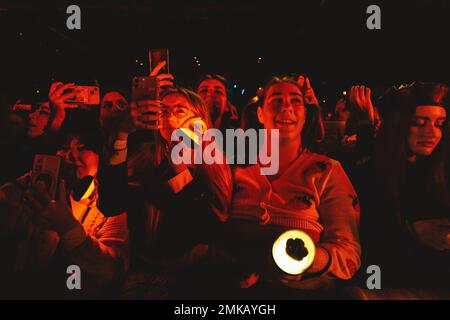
[310,193]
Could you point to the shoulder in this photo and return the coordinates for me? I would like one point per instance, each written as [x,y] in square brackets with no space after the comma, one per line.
[315,163]
[245,170]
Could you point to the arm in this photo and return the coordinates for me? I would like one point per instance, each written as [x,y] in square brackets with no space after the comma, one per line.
[339,213]
[57,97]
[338,252]
[100,254]
[102,257]
[362,116]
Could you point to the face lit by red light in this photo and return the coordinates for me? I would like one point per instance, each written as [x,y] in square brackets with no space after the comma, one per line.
[283,109]
[213,94]
[112,103]
[76,154]
[38,120]
[176,110]
[426,130]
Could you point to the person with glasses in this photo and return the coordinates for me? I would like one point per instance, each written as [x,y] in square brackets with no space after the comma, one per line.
[173,209]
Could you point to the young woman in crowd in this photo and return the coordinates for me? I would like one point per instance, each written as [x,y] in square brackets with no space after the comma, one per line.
[174,209]
[213,91]
[310,192]
[405,195]
[43,237]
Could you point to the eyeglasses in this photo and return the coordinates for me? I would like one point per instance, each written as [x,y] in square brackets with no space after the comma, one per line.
[402,86]
[178,111]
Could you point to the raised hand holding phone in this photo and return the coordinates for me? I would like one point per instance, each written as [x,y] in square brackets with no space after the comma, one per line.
[310,96]
[145,105]
[159,67]
[58,94]
[360,100]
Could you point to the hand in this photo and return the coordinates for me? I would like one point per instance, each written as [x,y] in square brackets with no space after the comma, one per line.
[145,114]
[57,97]
[165,79]
[310,96]
[272,273]
[55,215]
[433,233]
[57,103]
[359,98]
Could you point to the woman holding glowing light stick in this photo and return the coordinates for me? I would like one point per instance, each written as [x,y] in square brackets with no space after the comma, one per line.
[310,194]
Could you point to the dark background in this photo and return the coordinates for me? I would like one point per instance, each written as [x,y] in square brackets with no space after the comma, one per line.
[328,40]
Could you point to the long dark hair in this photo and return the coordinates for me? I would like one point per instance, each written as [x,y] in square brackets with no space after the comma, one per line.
[313,131]
[391,151]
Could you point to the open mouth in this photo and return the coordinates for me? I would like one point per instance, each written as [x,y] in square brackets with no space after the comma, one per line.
[285,122]
[426,144]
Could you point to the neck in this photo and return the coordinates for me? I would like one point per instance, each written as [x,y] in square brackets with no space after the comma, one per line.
[289,151]
[217,122]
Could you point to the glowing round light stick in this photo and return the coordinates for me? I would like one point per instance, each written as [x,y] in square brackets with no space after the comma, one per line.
[286,260]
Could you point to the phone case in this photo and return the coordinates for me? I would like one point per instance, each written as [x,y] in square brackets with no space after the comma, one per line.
[47,168]
[89,95]
[155,56]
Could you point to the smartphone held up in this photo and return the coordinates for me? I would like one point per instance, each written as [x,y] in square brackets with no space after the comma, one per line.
[87,95]
[146,89]
[155,56]
[47,169]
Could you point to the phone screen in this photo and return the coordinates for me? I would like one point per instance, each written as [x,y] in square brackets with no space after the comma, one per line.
[47,169]
[155,56]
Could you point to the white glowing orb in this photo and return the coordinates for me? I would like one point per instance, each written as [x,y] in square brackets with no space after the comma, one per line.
[287,263]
